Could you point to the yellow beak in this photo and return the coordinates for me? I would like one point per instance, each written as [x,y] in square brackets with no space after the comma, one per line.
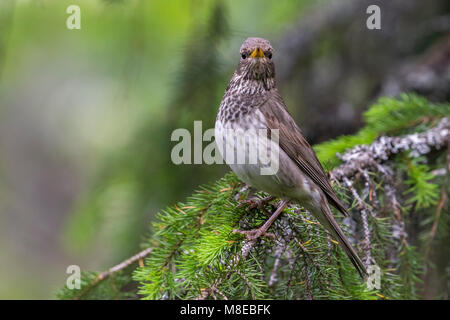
[257,53]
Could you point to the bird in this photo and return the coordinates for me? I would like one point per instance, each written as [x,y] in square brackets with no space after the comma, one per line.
[252,104]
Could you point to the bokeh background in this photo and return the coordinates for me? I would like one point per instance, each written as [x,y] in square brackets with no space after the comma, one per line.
[86,115]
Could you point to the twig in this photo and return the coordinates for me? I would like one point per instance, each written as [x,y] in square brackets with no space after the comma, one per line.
[273,275]
[441,204]
[106,274]
[221,294]
[436,222]
[309,295]
[367,244]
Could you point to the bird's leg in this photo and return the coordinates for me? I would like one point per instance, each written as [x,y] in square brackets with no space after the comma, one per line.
[256,233]
[256,202]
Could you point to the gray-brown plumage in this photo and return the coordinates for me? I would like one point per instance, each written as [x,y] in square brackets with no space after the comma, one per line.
[252,102]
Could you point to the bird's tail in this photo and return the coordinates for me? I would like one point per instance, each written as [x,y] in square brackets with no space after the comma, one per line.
[327,220]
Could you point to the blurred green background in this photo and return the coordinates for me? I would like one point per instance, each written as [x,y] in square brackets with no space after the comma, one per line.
[86,115]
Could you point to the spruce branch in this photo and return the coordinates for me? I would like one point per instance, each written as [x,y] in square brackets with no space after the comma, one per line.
[365,156]
[196,255]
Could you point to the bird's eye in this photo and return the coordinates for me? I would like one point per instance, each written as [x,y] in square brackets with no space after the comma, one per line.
[243,56]
[269,55]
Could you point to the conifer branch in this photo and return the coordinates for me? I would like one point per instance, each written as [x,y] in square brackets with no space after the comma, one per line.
[367,156]
[208,261]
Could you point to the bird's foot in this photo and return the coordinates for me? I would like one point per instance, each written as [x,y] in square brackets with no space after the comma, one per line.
[254,234]
[262,231]
[256,202]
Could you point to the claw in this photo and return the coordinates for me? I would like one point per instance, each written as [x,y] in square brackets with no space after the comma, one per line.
[256,202]
[262,231]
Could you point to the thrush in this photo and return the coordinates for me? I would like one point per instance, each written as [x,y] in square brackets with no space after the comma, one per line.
[252,104]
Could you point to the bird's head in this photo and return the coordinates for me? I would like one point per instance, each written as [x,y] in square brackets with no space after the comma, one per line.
[256,60]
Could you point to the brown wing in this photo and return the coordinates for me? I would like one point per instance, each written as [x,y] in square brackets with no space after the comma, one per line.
[292,142]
